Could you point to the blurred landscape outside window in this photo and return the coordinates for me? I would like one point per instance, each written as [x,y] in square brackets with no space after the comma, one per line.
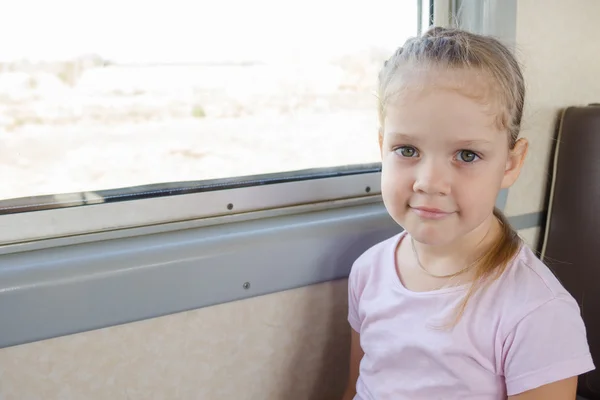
[108,94]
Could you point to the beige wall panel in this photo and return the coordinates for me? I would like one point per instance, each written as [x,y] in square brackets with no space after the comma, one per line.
[291,345]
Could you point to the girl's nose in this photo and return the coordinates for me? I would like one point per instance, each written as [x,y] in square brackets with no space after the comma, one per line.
[432,178]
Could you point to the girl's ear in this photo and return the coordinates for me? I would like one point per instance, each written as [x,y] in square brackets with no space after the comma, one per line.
[516,157]
[380,141]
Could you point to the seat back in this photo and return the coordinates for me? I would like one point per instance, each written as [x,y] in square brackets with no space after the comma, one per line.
[571,242]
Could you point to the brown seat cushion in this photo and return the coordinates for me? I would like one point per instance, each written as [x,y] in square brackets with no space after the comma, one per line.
[571,244]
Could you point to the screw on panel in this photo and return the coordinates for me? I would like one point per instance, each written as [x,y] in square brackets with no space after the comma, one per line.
[247,285]
[368,189]
[230,206]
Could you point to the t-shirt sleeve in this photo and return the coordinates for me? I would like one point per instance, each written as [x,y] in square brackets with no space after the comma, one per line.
[353,317]
[548,345]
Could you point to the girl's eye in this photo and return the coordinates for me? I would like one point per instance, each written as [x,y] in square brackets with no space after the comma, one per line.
[407,151]
[467,156]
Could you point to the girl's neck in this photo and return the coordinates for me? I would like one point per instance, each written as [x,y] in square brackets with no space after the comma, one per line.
[465,249]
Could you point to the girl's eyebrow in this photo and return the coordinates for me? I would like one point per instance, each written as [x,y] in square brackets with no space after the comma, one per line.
[402,136]
[460,143]
[472,142]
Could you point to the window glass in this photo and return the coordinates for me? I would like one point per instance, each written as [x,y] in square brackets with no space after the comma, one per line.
[98,95]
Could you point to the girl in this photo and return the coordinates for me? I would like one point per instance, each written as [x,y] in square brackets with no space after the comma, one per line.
[456,307]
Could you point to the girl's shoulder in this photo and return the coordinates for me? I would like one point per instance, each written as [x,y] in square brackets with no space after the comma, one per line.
[528,285]
[376,264]
[527,271]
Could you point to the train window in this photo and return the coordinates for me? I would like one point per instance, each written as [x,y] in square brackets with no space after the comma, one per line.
[109,101]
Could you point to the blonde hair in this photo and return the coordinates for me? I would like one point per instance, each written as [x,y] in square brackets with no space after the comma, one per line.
[455,49]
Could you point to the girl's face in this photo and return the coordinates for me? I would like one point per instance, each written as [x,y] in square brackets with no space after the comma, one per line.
[444,159]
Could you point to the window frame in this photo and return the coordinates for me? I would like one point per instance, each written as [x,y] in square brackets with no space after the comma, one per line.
[61,215]
[235,196]
[42,221]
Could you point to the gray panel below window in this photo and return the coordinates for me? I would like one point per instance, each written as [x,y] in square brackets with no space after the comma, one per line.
[64,290]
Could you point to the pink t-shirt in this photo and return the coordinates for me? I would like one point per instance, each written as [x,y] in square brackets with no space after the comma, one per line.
[525,330]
